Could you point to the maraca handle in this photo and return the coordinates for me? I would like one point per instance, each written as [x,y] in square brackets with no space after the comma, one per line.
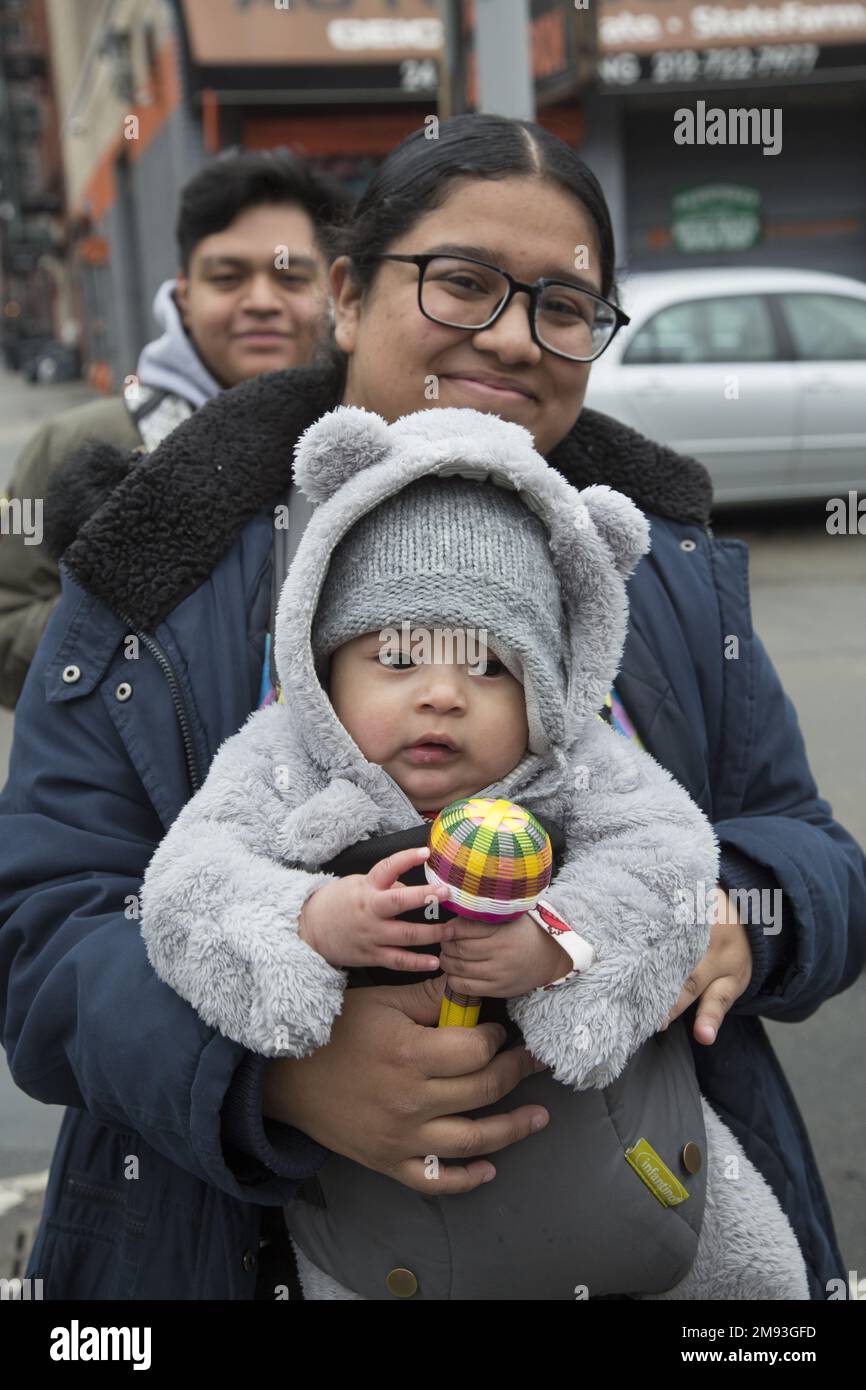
[459,1010]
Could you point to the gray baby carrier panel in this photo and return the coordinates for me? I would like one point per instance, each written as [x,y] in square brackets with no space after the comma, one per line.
[566,1209]
[566,1215]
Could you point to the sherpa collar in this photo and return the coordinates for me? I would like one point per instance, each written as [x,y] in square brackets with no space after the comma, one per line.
[143,539]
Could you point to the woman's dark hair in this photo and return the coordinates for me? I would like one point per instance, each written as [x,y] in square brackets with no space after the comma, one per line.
[233,182]
[417,176]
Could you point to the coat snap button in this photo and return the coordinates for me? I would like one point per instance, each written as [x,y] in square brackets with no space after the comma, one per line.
[71,674]
[248,1261]
[123,691]
[401,1283]
[691,1158]
[687,545]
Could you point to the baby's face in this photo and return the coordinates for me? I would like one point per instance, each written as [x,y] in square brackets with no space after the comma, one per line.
[389,694]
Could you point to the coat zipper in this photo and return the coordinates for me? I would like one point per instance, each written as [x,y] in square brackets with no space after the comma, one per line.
[165,666]
[92,1191]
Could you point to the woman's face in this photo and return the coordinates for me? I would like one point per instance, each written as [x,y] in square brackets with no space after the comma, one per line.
[399,361]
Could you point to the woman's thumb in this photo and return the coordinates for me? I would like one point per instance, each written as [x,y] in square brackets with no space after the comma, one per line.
[421,1002]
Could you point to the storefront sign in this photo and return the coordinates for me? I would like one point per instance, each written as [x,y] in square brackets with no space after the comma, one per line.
[257,33]
[643,27]
[716,217]
[654,42]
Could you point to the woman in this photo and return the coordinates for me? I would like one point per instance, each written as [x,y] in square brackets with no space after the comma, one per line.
[157,653]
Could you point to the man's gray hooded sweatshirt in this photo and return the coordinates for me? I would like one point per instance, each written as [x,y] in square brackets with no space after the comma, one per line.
[635,1186]
[171,362]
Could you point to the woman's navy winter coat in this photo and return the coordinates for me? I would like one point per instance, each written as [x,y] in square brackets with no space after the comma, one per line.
[153,657]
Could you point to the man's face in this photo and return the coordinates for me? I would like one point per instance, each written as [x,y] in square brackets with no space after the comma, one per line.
[388,701]
[255,297]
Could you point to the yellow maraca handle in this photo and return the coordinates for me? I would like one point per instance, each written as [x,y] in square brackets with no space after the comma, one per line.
[459,1010]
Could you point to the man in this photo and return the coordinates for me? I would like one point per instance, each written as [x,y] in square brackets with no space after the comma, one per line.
[250,296]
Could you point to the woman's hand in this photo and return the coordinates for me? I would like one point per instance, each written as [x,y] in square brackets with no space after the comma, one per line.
[500,962]
[389,1088]
[721,977]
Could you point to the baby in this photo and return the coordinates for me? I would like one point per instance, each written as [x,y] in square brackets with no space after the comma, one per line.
[448,527]
[442,730]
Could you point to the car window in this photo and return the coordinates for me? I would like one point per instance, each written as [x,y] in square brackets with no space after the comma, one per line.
[736,328]
[827,327]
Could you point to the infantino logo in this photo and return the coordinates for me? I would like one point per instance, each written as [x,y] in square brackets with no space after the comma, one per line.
[461,646]
[659,1183]
[757,906]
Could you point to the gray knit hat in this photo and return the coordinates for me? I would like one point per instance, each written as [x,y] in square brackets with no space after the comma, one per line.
[452,553]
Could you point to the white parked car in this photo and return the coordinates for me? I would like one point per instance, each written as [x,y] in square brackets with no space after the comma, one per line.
[760,374]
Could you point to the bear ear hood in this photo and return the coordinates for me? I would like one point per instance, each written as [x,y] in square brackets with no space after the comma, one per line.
[333,449]
[351,460]
[624,530]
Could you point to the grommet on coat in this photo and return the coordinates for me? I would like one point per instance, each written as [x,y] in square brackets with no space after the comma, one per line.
[691,1157]
[71,674]
[248,1261]
[123,691]
[401,1283]
[687,545]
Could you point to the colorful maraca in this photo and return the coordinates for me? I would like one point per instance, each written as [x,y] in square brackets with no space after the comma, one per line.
[496,860]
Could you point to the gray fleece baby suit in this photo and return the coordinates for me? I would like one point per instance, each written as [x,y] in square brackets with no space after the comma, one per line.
[593,1204]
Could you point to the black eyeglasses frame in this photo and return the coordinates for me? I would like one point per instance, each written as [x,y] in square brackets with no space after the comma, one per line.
[514,287]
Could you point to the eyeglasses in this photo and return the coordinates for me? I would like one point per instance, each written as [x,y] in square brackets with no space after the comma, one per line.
[461,292]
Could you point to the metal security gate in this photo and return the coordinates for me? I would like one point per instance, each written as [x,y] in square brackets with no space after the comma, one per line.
[812,193]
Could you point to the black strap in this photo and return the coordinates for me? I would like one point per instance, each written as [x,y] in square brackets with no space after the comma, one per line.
[155,398]
[286,542]
[360,858]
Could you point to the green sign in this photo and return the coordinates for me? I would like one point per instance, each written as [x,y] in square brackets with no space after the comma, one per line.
[716,217]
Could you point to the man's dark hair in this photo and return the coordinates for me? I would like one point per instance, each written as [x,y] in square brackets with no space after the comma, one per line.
[233,182]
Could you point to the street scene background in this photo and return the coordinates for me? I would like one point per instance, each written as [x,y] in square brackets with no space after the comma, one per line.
[107,109]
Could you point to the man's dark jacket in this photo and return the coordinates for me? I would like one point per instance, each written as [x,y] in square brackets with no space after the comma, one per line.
[174,550]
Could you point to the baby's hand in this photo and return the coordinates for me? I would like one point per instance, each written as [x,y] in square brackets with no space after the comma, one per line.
[348,923]
[504,961]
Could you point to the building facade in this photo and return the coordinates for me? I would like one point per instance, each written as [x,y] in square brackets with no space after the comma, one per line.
[32,283]
[737,131]
[148,89]
[723,133]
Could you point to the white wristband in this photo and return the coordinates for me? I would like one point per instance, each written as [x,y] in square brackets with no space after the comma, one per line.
[581,952]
